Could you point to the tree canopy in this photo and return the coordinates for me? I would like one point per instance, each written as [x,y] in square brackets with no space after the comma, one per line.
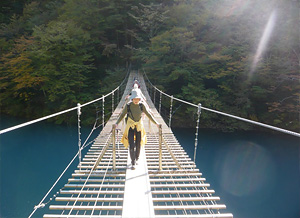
[237,56]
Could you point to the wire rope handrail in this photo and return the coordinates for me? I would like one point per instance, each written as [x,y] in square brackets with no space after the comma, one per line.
[225,114]
[81,147]
[41,204]
[62,112]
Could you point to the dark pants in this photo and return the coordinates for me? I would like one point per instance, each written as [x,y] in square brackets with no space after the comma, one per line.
[134,146]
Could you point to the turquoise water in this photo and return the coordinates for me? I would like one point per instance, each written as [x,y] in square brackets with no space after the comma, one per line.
[255,174]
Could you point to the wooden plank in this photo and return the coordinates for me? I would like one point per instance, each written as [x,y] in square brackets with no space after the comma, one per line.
[80,216]
[101,171]
[104,167]
[91,192]
[155,155]
[170,172]
[98,174]
[95,185]
[89,199]
[169,166]
[178,199]
[164,158]
[174,175]
[104,160]
[182,161]
[166,152]
[97,180]
[165,180]
[190,207]
[182,191]
[221,215]
[179,185]
[77,207]
[103,163]
[105,156]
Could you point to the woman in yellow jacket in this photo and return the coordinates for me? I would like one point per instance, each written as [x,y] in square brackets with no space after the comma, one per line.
[134,126]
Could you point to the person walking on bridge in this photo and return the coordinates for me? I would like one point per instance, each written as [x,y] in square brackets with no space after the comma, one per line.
[134,134]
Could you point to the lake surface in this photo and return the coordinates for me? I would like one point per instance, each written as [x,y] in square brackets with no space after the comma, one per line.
[256,174]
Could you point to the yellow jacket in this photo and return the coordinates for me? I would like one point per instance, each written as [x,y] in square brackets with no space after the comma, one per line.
[140,128]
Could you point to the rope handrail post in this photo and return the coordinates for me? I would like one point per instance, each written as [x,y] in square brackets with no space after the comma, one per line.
[171,153]
[104,149]
[159,109]
[103,100]
[118,142]
[160,146]
[79,134]
[171,106]
[197,130]
[114,146]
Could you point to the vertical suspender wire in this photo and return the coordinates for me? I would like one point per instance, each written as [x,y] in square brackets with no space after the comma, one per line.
[171,106]
[160,96]
[119,94]
[196,134]
[154,93]
[114,146]
[103,100]
[79,135]
[112,104]
[150,91]
[148,87]
[160,147]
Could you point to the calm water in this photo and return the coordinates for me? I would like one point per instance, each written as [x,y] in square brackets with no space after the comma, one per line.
[255,174]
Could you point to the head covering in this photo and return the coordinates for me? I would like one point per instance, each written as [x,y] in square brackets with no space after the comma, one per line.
[135,94]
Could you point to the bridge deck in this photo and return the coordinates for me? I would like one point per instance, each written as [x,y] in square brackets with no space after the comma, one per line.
[143,192]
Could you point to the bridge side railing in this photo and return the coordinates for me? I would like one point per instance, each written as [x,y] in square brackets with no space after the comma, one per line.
[78,107]
[215,111]
[80,147]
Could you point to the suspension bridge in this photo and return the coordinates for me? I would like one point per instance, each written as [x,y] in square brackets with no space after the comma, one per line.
[166,182]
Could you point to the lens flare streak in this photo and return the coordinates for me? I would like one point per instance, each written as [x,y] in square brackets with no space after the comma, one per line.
[264,41]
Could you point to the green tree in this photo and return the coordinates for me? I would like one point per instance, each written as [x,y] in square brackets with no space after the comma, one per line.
[20,84]
[62,57]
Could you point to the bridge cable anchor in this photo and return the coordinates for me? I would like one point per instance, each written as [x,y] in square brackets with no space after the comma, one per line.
[39,206]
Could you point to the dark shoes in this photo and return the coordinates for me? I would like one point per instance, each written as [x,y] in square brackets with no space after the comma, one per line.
[133,165]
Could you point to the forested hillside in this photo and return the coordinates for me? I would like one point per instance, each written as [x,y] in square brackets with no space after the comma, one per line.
[237,56]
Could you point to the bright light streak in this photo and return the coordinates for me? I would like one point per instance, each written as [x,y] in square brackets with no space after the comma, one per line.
[264,41]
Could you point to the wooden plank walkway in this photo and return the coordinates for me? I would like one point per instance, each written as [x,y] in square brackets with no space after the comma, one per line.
[143,192]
